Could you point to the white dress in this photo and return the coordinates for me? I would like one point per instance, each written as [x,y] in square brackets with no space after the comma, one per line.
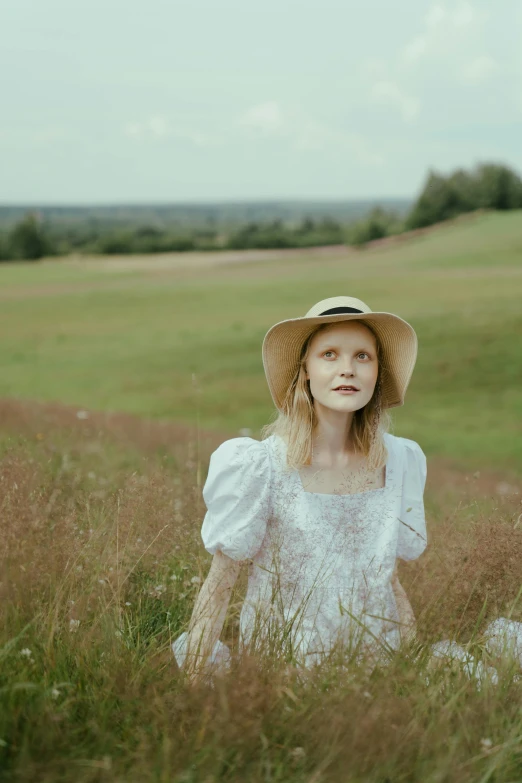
[321,563]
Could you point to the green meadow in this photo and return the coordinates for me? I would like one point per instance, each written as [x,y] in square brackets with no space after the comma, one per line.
[117,381]
[181,344]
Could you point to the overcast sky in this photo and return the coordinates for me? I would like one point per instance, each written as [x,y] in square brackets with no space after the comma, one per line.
[158,100]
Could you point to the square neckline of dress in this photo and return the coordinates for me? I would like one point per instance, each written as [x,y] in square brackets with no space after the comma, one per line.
[347,494]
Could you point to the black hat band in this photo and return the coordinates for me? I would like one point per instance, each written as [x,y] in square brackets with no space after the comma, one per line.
[337,310]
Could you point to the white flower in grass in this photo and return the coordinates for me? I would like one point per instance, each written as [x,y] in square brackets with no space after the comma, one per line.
[196,580]
[55,693]
[82,415]
[73,625]
[160,589]
[128,603]
[174,577]
[26,652]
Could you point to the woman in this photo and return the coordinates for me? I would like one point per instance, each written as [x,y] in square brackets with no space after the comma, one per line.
[324,504]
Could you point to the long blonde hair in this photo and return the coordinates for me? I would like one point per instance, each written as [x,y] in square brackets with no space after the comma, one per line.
[296,423]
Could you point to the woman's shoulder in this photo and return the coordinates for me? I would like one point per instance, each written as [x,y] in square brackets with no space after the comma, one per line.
[401,444]
[240,452]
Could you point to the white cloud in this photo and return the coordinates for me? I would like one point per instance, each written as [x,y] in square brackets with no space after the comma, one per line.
[435,16]
[414,50]
[304,132]
[442,24]
[133,130]
[479,70]
[159,127]
[389,93]
[461,15]
[265,117]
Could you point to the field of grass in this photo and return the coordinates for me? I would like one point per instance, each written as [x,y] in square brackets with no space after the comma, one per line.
[184,344]
[101,515]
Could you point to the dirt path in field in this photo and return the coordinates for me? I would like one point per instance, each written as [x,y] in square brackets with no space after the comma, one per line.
[37,420]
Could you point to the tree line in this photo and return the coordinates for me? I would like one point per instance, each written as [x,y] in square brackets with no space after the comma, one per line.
[487,186]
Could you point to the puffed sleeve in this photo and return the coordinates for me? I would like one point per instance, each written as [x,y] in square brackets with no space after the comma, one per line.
[237,496]
[412,537]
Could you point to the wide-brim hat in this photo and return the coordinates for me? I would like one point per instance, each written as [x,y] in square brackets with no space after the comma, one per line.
[283,343]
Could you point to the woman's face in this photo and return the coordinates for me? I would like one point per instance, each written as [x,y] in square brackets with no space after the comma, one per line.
[344,354]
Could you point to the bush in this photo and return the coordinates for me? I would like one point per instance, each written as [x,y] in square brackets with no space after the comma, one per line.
[28,240]
[377,225]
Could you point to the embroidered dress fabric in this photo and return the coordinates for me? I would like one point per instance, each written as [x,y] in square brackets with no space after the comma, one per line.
[321,564]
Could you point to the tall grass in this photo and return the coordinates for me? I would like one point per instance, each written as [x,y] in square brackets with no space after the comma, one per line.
[101,564]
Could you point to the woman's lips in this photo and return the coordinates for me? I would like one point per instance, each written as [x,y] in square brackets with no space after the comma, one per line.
[346,391]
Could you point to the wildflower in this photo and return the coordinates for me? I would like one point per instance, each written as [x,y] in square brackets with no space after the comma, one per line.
[73,625]
[128,603]
[485,745]
[55,693]
[82,415]
[101,581]
[298,753]
[26,652]
[160,588]
[174,577]
[196,580]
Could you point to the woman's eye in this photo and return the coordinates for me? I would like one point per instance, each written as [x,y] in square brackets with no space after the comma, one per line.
[363,353]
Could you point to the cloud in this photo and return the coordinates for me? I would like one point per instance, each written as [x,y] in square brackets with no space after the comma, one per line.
[414,50]
[479,70]
[153,127]
[158,127]
[265,117]
[441,25]
[304,132]
[460,15]
[389,93]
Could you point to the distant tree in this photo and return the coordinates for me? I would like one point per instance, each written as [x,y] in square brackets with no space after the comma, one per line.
[377,225]
[116,244]
[27,239]
[441,199]
[466,186]
[498,187]
[489,186]
[3,249]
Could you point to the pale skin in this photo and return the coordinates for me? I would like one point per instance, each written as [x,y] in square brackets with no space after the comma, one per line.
[345,353]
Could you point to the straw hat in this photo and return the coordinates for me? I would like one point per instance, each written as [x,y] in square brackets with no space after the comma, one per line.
[284,341]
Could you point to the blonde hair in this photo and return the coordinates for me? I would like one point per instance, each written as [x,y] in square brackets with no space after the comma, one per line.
[296,423]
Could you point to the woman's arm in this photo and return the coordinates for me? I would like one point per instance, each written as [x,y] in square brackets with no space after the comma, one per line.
[406,616]
[209,612]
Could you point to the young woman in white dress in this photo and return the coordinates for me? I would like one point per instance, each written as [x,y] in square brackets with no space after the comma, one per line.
[321,508]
